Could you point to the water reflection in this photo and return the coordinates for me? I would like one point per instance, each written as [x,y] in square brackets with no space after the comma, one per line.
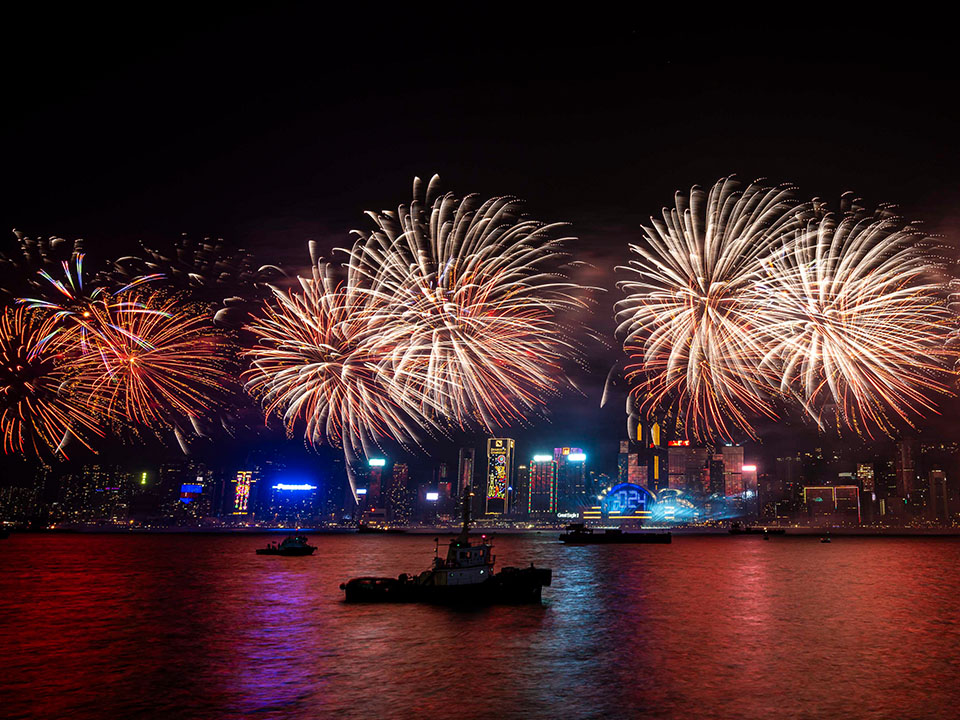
[199,626]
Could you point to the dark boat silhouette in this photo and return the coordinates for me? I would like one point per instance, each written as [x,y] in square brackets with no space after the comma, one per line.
[295,545]
[580,534]
[464,577]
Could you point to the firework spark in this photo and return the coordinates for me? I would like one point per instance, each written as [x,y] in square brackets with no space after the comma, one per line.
[469,306]
[691,338]
[40,410]
[860,327]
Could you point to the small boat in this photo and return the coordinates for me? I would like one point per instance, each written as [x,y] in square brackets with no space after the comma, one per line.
[295,545]
[464,577]
[579,534]
[825,539]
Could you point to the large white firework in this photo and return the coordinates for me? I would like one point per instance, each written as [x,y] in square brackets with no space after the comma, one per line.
[317,362]
[472,309]
[858,325]
[695,345]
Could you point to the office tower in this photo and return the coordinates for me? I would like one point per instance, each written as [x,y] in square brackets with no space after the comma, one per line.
[375,484]
[443,484]
[688,468]
[865,477]
[623,461]
[715,476]
[399,505]
[465,469]
[294,502]
[732,456]
[571,478]
[243,486]
[499,475]
[905,462]
[938,505]
[749,478]
[521,492]
[542,501]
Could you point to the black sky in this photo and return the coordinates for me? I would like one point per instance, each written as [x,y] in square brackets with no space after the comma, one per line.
[273,126]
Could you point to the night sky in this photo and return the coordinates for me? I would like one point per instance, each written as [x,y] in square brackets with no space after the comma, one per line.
[272,127]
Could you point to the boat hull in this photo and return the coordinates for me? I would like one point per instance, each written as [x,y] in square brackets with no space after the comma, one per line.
[511,586]
[288,552]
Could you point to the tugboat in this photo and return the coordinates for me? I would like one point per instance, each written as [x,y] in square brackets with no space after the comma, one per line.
[580,534]
[464,577]
[295,545]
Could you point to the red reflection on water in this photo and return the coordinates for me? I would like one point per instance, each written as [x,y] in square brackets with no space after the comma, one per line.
[199,626]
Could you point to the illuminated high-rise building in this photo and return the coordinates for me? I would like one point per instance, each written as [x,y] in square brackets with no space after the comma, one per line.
[375,485]
[399,501]
[732,456]
[499,475]
[542,497]
[571,478]
[623,461]
[294,501]
[688,468]
[905,462]
[521,492]
[938,504]
[749,478]
[243,493]
[465,469]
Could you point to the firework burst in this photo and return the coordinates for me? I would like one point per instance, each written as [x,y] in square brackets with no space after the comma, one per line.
[469,306]
[40,410]
[316,361]
[153,362]
[860,327]
[695,345]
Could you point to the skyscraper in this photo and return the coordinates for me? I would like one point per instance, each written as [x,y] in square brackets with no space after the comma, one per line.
[571,478]
[905,462]
[542,499]
[499,475]
[399,504]
[732,456]
[688,468]
[465,469]
[938,506]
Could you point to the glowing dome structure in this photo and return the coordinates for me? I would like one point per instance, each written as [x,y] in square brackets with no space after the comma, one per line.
[631,502]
